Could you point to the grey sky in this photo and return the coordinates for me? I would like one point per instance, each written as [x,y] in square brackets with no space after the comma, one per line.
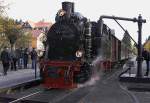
[36,10]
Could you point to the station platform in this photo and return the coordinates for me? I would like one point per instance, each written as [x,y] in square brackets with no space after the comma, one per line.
[130,72]
[20,76]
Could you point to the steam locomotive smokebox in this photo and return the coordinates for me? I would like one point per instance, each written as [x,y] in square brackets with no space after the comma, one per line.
[68,7]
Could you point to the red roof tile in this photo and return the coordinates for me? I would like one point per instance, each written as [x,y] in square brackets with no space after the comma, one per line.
[43,24]
[36,33]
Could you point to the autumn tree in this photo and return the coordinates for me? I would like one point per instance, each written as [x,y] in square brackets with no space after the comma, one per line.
[148,37]
[3,38]
[127,40]
[2,7]
[24,40]
[11,30]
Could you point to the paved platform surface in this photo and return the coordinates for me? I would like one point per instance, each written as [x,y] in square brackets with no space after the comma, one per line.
[17,77]
[134,68]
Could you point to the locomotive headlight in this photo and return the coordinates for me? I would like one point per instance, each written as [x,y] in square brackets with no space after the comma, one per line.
[61,12]
[79,53]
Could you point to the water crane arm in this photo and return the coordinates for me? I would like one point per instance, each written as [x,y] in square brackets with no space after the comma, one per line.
[125,31]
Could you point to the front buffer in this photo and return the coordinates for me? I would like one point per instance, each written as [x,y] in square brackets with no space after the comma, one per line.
[59,74]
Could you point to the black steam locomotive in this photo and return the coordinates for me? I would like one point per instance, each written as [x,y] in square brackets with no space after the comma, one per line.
[73,43]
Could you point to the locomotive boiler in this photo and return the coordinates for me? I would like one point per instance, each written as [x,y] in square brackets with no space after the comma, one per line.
[73,42]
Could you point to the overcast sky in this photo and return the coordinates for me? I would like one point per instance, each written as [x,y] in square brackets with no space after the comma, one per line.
[36,10]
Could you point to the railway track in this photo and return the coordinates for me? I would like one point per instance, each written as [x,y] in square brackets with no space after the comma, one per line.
[44,96]
[23,85]
[56,96]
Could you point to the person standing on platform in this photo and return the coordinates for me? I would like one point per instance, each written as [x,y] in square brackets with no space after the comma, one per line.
[5,57]
[146,56]
[13,57]
[21,58]
[34,58]
[18,57]
[25,58]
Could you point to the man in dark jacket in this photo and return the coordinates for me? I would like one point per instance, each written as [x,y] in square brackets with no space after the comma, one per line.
[5,60]
[25,58]
[146,56]
[21,54]
[13,57]
[34,58]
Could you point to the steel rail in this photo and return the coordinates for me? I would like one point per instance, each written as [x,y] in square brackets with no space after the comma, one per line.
[19,99]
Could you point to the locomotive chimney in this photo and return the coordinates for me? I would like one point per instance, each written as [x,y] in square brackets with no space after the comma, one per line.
[72,7]
[68,7]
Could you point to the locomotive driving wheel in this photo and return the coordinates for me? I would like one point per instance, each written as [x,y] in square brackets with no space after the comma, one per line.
[84,74]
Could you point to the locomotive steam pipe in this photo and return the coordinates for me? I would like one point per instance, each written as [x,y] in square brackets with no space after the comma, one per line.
[88,40]
[139,21]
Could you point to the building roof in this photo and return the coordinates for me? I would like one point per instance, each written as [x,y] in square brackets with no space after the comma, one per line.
[42,24]
[32,24]
[147,42]
[147,45]
[36,33]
